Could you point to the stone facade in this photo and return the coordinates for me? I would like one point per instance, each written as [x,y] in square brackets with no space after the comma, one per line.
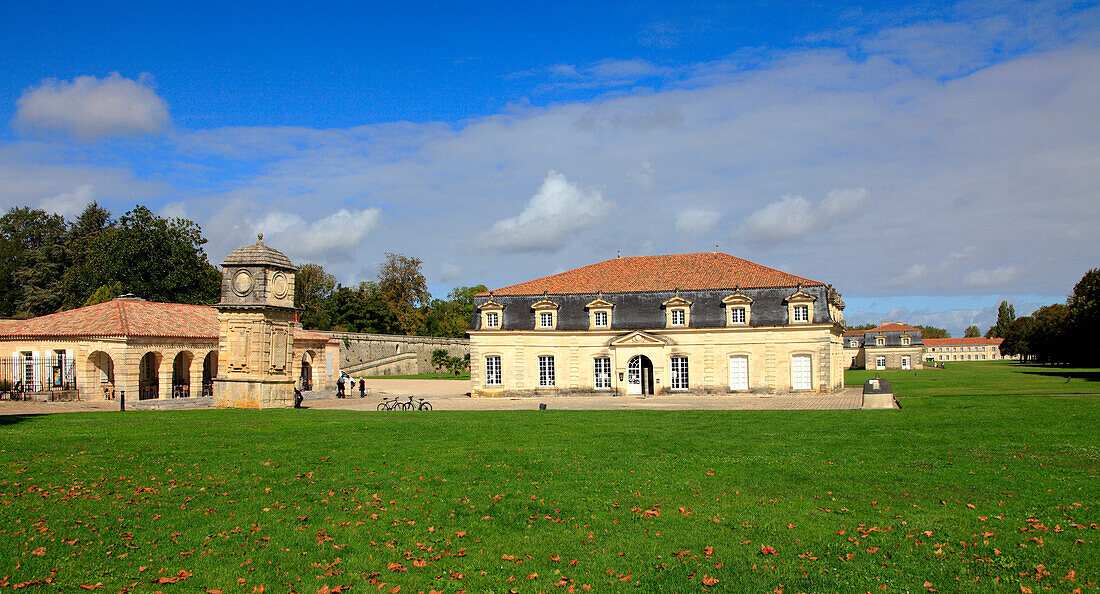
[782,337]
[892,345]
[963,349]
[384,354]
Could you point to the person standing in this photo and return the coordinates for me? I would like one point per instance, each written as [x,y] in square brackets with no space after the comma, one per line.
[362,388]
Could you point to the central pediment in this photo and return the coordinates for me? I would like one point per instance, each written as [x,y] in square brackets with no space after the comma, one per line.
[639,338]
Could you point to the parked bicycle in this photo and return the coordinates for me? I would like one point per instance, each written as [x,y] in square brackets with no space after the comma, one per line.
[388,404]
[423,404]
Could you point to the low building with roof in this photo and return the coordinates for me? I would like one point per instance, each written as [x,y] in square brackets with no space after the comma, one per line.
[892,345]
[704,322]
[963,349]
[149,350]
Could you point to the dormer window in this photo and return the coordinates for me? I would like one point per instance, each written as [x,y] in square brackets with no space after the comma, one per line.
[737,315]
[853,344]
[599,313]
[800,307]
[678,312]
[802,313]
[739,306]
[905,341]
[546,314]
[491,314]
[880,341]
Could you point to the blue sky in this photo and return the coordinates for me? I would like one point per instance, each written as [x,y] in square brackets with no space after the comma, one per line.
[928,162]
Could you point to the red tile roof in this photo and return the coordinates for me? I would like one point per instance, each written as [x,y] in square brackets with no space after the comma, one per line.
[962,341]
[854,332]
[893,327]
[707,270]
[122,317]
[312,336]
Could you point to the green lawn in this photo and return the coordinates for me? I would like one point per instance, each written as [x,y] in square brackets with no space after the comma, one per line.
[447,376]
[972,493]
[981,378]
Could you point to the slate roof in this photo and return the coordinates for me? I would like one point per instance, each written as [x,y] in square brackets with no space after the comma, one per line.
[962,341]
[258,255]
[686,272]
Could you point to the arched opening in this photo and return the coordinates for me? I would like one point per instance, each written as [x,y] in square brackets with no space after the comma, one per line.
[181,374]
[305,378]
[639,375]
[102,374]
[209,372]
[149,376]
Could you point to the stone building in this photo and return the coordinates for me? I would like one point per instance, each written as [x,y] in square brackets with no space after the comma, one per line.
[149,350]
[696,323]
[963,349]
[892,345]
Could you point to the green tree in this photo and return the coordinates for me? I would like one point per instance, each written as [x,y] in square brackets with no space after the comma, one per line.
[1048,339]
[1084,319]
[362,309]
[312,288]
[451,317]
[32,262]
[972,332]
[440,359]
[405,291]
[1017,339]
[1005,314]
[933,332]
[104,294]
[85,264]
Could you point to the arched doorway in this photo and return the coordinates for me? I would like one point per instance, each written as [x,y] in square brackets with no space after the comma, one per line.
[102,374]
[149,376]
[639,375]
[209,372]
[305,378]
[181,374]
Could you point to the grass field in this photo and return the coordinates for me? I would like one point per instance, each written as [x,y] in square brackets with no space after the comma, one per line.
[971,493]
[980,378]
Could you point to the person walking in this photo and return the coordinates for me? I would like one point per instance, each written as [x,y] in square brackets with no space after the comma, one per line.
[340,385]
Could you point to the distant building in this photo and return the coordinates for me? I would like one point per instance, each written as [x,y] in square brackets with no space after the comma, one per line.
[693,323]
[892,345]
[963,349]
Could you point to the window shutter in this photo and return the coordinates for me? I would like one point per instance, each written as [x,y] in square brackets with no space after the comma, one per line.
[16,366]
[70,366]
[36,380]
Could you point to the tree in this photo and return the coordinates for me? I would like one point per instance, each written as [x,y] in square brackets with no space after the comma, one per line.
[405,291]
[933,332]
[440,359]
[155,258]
[312,288]
[362,309]
[863,327]
[1048,340]
[1084,319]
[1017,339]
[1006,313]
[104,294]
[32,261]
[972,332]
[451,317]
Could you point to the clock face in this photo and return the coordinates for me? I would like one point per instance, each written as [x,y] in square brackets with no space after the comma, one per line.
[243,282]
[279,285]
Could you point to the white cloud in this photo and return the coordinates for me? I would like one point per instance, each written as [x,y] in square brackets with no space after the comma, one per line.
[991,278]
[91,108]
[449,272]
[794,216]
[553,215]
[697,221]
[69,204]
[174,210]
[338,234]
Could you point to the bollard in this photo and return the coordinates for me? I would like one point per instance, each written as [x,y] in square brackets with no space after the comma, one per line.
[122,400]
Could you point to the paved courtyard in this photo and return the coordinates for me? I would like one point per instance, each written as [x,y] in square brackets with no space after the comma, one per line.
[451,395]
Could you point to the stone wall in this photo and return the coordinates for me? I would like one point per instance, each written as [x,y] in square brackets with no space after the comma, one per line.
[362,351]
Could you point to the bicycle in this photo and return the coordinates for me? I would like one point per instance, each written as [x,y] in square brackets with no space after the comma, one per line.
[410,405]
[388,404]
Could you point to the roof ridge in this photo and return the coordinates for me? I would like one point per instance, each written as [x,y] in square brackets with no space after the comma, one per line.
[122,317]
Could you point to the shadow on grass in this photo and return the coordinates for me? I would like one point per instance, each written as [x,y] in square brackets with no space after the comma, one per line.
[1088,376]
[6,420]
